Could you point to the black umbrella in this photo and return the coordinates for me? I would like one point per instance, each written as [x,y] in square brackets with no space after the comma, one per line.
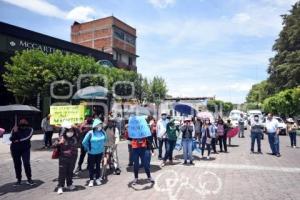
[17,109]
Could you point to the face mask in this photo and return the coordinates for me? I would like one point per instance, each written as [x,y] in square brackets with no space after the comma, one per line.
[256,118]
[99,128]
[70,134]
[206,122]
[164,117]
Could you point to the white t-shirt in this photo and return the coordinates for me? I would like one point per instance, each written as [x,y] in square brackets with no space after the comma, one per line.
[271,125]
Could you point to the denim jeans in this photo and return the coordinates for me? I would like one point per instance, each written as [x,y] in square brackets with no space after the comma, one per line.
[274,143]
[241,132]
[161,142]
[187,144]
[170,147]
[256,136]
[145,156]
[293,137]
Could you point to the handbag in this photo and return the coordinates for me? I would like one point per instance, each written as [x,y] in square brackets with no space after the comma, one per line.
[55,153]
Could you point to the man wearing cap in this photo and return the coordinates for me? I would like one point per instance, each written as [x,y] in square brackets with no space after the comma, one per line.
[272,130]
[162,133]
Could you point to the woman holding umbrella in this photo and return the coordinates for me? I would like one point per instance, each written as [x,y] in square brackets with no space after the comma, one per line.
[20,150]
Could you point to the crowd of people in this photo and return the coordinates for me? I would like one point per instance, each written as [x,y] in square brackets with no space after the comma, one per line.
[99,142]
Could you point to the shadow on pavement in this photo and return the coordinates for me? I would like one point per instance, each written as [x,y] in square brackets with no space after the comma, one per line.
[141,182]
[180,157]
[233,145]
[77,188]
[9,188]
[153,168]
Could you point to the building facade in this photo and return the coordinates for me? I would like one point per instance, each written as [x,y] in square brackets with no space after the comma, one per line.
[109,35]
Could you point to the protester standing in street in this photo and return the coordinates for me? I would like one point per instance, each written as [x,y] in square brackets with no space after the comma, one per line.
[207,131]
[291,129]
[222,135]
[48,131]
[20,150]
[272,130]
[198,127]
[187,134]
[256,133]
[241,126]
[93,143]
[67,145]
[172,132]
[141,146]
[162,134]
[84,129]
[153,126]
[111,146]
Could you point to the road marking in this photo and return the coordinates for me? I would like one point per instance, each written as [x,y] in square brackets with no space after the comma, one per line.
[239,167]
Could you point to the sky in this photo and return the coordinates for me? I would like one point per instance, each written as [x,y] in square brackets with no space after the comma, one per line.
[200,47]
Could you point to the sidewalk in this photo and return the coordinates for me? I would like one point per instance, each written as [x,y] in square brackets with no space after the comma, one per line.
[235,175]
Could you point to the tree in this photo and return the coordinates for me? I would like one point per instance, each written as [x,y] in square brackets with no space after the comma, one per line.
[217,105]
[31,72]
[286,103]
[259,92]
[158,89]
[284,67]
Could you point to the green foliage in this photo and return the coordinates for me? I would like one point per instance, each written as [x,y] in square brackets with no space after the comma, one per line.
[286,103]
[215,105]
[259,92]
[31,72]
[284,67]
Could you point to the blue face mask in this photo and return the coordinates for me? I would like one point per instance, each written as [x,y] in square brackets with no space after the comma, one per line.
[164,117]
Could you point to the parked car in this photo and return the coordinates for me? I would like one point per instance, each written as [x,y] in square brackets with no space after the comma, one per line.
[281,124]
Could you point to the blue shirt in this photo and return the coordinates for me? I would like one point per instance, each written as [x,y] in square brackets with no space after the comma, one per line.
[94,141]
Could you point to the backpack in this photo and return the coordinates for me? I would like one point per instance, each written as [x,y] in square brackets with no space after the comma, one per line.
[220,129]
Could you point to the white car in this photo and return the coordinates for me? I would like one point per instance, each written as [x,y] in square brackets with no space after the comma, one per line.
[282,126]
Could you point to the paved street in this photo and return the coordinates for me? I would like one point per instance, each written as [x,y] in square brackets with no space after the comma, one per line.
[236,175]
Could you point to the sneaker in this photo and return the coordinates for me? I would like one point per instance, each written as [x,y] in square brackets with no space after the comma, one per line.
[30,182]
[185,162]
[98,182]
[278,155]
[71,187]
[134,182]
[191,163]
[151,180]
[163,164]
[91,183]
[60,190]
[18,183]
[159,158]
[259,152]
[208,158]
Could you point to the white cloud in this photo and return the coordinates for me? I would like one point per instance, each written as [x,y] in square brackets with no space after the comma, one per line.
[162,3]
[241,18]
[81,13]
[42,7]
